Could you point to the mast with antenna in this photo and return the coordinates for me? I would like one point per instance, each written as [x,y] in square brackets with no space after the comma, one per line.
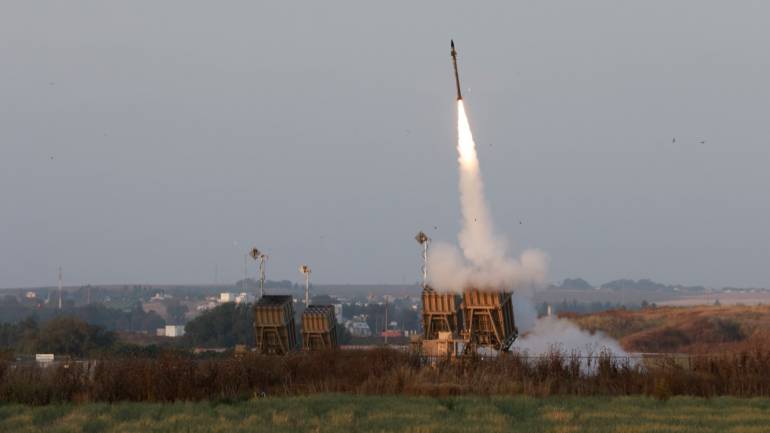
[305,269]
[260,257]
[424,240]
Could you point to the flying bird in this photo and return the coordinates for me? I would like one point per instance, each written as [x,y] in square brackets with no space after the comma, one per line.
[673,140]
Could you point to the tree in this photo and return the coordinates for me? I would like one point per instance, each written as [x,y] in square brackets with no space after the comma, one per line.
[71,336]
[224,326]
[576,283]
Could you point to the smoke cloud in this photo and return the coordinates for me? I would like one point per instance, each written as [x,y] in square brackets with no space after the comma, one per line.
[549,334]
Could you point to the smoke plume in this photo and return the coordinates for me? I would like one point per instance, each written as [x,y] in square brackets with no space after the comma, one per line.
[483,262]
[552,334]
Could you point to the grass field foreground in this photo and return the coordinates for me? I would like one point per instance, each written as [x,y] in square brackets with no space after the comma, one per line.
[343,413]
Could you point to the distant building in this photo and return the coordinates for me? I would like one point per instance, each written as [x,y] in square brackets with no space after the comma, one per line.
[31,295]
[160,296]
[244,298]
[225,297]
[44,358]
[174,331]
[208,305]
[358,328]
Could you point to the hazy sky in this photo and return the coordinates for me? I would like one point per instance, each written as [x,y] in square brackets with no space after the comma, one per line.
[152,141]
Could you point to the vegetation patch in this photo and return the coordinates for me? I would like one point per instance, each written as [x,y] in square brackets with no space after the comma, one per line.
[334,413]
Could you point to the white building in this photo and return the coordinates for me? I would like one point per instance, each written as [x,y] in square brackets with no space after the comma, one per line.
[244,298]
[358,329]
[174,330]
[44,358]
[160,296]
[208,305]
[225,297]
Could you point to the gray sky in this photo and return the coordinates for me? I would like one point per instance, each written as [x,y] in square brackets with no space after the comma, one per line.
[184,132]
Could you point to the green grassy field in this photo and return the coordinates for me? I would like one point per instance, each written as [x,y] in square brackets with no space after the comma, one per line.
[343,413]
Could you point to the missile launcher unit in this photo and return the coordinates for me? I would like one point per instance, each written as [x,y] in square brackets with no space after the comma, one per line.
[319,328]
[488,320]
[482,320]
[274,325]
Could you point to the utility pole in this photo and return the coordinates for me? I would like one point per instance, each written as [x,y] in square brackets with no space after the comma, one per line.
[245,271]
[385,331]
[60,287]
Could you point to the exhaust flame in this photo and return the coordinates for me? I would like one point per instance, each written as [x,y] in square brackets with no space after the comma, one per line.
[466,147]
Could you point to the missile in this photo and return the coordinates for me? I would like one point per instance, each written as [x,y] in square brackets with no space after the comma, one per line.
[457,75]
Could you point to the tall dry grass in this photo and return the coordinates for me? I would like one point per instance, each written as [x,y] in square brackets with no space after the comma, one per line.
[175,377]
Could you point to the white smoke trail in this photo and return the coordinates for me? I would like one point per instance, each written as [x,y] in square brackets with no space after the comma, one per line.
[485,264]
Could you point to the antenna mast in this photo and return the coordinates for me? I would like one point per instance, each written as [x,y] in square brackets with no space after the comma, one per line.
[261,258]
[424,240]
[305,269]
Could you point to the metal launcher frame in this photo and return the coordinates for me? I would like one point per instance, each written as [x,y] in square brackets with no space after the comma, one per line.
[440,313]
[488,320]
[319,328]
[274,325]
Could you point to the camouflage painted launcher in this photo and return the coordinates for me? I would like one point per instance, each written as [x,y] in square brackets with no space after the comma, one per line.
[319,328]
[274,325]
[440,313]
[488,319]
